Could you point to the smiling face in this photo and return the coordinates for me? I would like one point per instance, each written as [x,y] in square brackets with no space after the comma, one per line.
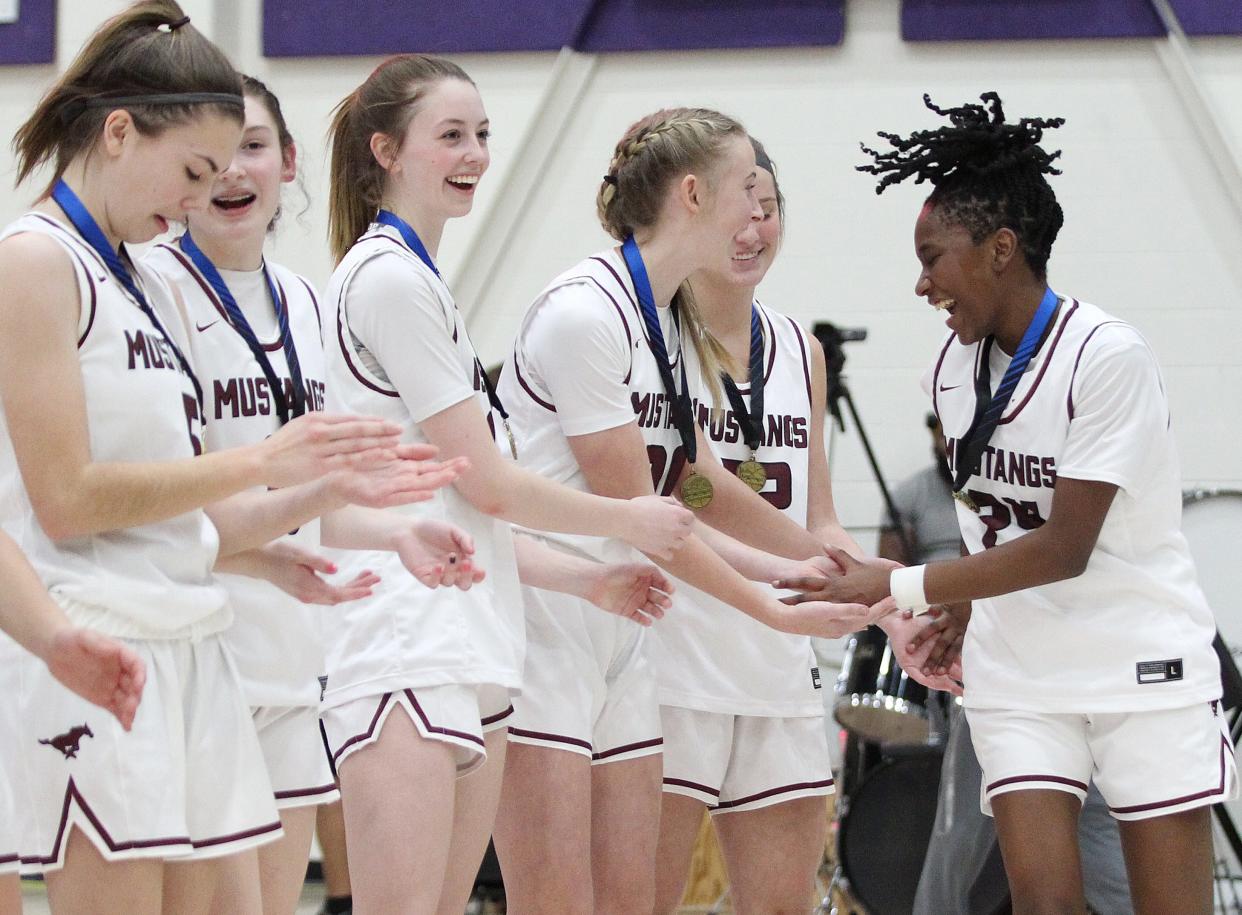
[956,275]
[443,153]
[165,177]
[754,248]
[729,219]
[246,195]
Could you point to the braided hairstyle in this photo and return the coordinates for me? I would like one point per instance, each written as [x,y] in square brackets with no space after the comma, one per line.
[655,153]
[987,174]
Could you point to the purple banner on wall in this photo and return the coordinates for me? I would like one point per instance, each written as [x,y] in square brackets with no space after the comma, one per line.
[665,25]
[1209,17]
[309,28]
[1009,20]
[32,38]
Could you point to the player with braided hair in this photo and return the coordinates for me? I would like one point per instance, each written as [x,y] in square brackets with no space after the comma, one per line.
[597,389]
[1090,641]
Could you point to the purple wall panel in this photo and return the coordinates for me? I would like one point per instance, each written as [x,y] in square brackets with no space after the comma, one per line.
[307,28]
[1209,17]
[32,38]
[1008,20]
[660,25]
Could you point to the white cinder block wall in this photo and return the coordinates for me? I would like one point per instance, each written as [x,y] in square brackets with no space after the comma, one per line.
[1150,233]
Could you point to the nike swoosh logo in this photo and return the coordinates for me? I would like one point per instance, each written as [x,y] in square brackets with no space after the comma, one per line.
[203,327]
[952,387]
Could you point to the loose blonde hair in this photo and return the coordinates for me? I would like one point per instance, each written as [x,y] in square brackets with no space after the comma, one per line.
[653,154]
[385,103]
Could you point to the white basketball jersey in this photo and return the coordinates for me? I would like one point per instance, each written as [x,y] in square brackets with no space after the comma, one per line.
[275,639]
[1133,632]
[603,289]
[152,581]
[710,656]
[406,634]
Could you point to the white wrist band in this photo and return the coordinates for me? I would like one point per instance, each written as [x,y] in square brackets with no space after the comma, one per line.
[906,586]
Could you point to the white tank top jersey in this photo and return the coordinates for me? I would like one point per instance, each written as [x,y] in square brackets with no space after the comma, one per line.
[275,639]
[710,656]
[396,347]
[582,364]
[1133,632]
[152,581]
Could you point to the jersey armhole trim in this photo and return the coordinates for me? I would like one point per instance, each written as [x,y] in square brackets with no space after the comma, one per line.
[347,348]
[803,345]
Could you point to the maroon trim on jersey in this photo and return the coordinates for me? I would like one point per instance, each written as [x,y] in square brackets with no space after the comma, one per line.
[552,738]
[935,386]
[767,374]
[1069,394]
[1043,366]
[629,335]
[803,346]
[315,302]
[305,792]
[74,796]
[1056,779]
[215,299]
[498,717]
[693,786]
[627,748]
[773,792]
[674,358]
[517,371]
[90,321]
[284,303]
[347,350]
[1185,798]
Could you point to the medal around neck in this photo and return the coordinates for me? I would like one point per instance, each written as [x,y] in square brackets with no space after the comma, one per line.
[962,496]
[697,490]
[752,474]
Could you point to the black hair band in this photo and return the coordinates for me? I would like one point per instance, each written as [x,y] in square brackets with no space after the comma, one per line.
[74,107]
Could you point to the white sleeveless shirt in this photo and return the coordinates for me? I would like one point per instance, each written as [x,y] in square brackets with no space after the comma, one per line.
[152,581]
[709,655]
[275,639]
[396,347]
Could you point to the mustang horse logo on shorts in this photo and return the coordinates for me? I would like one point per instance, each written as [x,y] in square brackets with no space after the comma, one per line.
[68,742]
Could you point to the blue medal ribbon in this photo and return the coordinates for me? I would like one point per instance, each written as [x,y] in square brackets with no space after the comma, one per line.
[237,319]
[94,236]
[683,410]
[988,410]
[750,420]
[415,244]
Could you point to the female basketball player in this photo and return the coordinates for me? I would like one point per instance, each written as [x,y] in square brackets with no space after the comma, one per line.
[741,714]
[257,349]
[408,149]
[596,386]
[1089,651]
[104,415]
[101,670]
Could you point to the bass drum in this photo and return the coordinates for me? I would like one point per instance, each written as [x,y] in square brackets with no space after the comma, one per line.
[1212,524]
[886,824]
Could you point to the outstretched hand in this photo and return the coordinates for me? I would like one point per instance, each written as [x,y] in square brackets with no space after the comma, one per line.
[299,572]
[99,669]
[925,647]
[803,615]
[412,476]
[439,555]
[861,581]
[634,590]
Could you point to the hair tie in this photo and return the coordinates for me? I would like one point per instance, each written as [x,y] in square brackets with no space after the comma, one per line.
[610,179]
[610,189]
[171,27]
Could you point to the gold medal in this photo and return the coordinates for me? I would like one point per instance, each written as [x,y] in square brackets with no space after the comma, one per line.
[966,500]
[697,491]
[509,435]
[752,474]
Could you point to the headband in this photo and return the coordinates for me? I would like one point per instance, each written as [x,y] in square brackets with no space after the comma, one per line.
[75,107]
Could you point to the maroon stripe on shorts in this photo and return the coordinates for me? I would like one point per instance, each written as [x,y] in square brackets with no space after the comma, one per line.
[693,786]
[74,796]
[305,792]
[499,716]
[237,836]
[1036,778]
[436,729]
[365,735]
[554,738]
[772,792]
[629,747]
[1185,798]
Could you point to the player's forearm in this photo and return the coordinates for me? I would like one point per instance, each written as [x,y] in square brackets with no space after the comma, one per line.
[750,563]
[834,534]
[27,613]
[107,496]
[356,527]
[697,565]
[529,500]
[248,520]
[1026,562]
[543,566]
[737,511]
